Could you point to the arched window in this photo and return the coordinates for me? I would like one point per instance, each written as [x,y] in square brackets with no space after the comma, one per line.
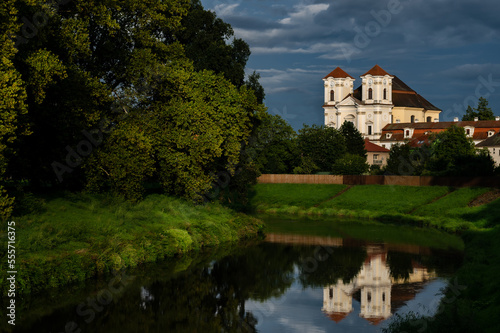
[429,119]
[412,119]
[332,95]
[370,93]
[385,93]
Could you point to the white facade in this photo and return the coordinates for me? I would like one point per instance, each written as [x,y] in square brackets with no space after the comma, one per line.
[371,107]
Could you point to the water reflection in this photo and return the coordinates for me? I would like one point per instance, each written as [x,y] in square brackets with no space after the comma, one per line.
[375,284]
[259,287]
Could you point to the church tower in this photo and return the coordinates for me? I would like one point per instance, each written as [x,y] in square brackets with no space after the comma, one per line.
[376,86]
[338,84]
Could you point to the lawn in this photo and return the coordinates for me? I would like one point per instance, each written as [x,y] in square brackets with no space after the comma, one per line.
[386,199]
[299,195]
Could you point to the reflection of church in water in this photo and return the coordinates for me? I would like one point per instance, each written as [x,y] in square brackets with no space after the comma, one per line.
[377,289]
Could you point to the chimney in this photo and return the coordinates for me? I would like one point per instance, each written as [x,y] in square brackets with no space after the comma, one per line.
[436,120]
[497,118]
[416,120]
[398,121]
[476,118]
[455,119]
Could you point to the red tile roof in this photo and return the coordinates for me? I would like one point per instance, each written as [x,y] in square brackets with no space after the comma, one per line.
[337,316]
[338,73]
[423,131]
[376,71]
[403,96]
[489,124]
[371,147]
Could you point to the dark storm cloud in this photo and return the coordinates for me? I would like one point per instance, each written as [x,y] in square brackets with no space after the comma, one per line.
[439,47]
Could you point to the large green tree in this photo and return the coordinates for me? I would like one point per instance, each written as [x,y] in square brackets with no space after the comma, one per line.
[275,145]
[354,141]
[454,154]
[482,111]
[12,103]
[109,87]
[210,43]
[323,144]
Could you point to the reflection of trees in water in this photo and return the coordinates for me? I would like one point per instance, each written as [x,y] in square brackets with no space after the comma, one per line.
[211,298]
[320,266]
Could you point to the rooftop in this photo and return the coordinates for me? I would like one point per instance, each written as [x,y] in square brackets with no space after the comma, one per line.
[338,73]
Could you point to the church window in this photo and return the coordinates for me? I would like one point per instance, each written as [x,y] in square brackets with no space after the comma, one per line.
[369,129]
[385,93]
[370,93]
[412,119]
[383,297]
[429,119]
[332,95]
[331,293]
[369,296]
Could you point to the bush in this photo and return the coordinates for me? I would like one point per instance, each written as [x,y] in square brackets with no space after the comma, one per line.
[350,164]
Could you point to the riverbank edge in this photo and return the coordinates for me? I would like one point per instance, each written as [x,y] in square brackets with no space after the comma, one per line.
[471,302]
[56,268]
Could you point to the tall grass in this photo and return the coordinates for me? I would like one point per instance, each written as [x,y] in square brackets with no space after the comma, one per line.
[79,236]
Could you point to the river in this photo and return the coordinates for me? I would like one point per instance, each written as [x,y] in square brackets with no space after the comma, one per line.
[308,275]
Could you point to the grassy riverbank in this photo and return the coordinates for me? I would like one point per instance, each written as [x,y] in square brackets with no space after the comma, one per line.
[472,302]
[76,237]
[438,206]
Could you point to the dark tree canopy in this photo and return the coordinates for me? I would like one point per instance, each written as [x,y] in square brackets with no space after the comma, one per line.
[323,144]
[119,93]
[355,144]
[205,38]
[482,111]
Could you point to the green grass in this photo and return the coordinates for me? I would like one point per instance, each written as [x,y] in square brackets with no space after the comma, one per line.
[455,200]
[79,236]
[437,206]
[293,195]
[385,199]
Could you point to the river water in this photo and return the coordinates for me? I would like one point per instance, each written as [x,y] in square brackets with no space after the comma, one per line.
[306,276]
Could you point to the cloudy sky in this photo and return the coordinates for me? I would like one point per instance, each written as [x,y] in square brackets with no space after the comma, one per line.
[446,50]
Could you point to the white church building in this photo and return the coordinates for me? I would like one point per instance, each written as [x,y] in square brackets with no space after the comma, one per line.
[381,99]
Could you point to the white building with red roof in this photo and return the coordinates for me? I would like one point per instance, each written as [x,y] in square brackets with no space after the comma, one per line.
[381,99]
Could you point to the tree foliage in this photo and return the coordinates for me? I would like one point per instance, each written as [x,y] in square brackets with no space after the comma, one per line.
[451,153]
[164,78]
[322,144]
[350,164]
[275,145]
[482,111]
[13,102]
[355,144]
